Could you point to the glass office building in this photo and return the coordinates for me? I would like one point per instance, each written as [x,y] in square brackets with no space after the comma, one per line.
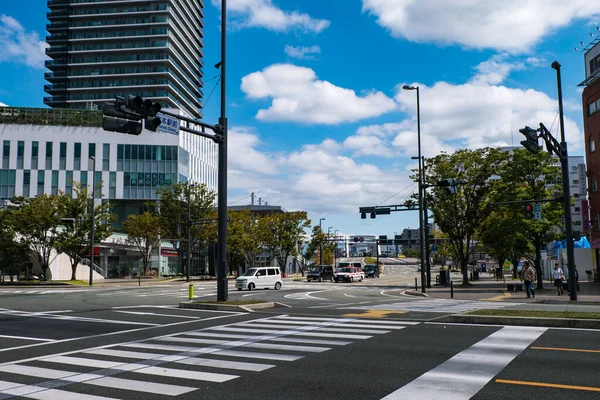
[100,49]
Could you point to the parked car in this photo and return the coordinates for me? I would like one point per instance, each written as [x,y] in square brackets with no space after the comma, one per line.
[320,273]
[349,274]
[259,278]
[371,271]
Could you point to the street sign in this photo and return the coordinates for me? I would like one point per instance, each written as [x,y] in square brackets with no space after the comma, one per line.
[585,215]
[361,239]
[434,248]
[537,211]
[168,124]
[355,240]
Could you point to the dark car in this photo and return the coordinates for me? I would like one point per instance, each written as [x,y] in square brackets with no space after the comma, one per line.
[371,271]
[320,273]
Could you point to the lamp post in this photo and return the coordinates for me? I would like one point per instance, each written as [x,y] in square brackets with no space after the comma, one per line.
[421,230]
[189,232]
[566,190]
[321,247]
[335,249]
[93,222]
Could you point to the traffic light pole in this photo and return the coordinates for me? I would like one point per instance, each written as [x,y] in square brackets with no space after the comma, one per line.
[566,189]
[222,177]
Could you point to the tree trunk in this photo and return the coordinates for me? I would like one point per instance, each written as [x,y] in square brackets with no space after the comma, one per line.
[74,270]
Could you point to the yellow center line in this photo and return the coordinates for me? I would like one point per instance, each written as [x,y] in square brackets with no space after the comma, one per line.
[375,314]
[549,385]
[501,297]
[565,349]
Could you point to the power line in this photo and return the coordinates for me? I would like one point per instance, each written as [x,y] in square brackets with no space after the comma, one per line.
[211,92]
[237,201]
[412,184]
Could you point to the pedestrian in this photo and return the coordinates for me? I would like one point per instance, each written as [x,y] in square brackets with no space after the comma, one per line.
[559,277]
[528,277]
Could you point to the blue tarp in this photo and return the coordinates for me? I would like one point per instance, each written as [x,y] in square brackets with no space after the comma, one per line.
[583,243]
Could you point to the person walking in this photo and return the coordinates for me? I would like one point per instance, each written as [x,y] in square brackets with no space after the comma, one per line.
[559,277]
[528,277]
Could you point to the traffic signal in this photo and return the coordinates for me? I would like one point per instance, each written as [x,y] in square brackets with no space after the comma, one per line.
[531,140]
[363,215]
[373,215]
[125,115]
[528,211]
[449,185]
[116,119]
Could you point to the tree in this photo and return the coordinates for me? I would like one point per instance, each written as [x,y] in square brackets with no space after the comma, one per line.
[13,253]
[74,238]
[36,221]
[243,236]
[144,233]
[282,232]
[461,214]
[174,214]
[527,177]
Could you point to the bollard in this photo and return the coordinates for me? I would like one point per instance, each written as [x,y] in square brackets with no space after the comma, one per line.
[451,290]
[416,285]
[191,291]
[139,280]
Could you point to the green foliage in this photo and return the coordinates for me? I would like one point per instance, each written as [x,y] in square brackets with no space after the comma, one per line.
[36,220]
[461,215]
[13,253]
[243,236]
[74,237]
[282,232]
[144,233]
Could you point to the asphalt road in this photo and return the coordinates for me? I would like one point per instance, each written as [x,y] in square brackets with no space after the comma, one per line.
[133,343]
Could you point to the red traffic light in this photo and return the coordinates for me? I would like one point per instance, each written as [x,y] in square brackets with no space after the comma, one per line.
[528,207]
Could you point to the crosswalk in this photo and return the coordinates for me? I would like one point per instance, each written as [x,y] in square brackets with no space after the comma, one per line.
[440,305]
[185,362]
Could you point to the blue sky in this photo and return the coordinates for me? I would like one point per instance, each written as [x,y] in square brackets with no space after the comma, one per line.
[318,121]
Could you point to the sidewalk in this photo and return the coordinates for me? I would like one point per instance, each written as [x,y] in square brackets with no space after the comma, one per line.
[487,288]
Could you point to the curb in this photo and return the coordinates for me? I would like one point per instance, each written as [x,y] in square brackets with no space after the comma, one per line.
[524,321]
[418,294]
[227,307]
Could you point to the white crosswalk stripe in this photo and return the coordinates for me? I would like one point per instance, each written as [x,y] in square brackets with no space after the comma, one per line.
[263,342]
[438,305]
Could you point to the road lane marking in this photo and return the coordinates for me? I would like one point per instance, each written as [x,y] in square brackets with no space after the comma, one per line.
[242,366]
[186,374]
[155,314]
[549,385]
[270,338]
[503,296]
[53,394]
[565,349]
[465,374]
[27,338]
[141,386]
[374,314]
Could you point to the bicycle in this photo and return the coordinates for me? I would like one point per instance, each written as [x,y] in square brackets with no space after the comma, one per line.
[591,275]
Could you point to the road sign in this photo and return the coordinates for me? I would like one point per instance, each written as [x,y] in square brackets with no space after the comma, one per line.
[355,240]
[168,124]
[361,239]
[585,215]
[537,211]
[434,248]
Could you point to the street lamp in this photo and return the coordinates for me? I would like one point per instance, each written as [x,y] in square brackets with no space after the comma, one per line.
[189,232]
[421,230]
[321,247]
[93,223]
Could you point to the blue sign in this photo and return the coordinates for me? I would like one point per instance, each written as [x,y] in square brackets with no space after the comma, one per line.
[168,124]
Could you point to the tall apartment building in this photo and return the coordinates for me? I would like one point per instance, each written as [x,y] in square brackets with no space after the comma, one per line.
[591,127]
[100,49]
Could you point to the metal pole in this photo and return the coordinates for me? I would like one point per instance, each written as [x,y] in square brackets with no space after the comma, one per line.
[377,251]
[189,233]
[566,189]
[421,230]
[321,247]
[93,222]
[451,288]
[222,178]
[426,218]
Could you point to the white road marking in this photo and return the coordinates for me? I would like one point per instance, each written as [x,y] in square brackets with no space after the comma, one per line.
[186,374]
[243,366]
[53,394]
[465,374]
[141,386]
[156,314]
[271,338]
[27,338]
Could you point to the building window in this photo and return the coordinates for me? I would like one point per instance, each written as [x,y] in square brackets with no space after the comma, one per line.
[54,182]
[40,182]
[5,154]
[26,183]
[592,145]
[577,209]
[77,157]
[20,154]
[35,149]
[105,156]
[49,155]
[92,150]
[69,183]
[594,185]
[575,181]
[83,178]
[63,156]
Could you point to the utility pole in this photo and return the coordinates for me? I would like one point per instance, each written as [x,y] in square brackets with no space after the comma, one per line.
[93,223]
[222,177]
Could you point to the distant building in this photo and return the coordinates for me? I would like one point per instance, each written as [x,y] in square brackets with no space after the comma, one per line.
[101,49]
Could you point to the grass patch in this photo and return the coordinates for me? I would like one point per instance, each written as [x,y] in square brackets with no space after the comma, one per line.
[370,260]
[538,314]
[75,282]
[232,302]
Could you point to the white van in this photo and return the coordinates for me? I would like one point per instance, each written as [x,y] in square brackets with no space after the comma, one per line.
[259,278]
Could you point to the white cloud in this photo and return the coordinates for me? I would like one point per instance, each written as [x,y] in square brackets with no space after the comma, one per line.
[301,52]
[3,105]
[316,178]
[298,96]
[509,25]
[20,46]
[264,14]
[243,154]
